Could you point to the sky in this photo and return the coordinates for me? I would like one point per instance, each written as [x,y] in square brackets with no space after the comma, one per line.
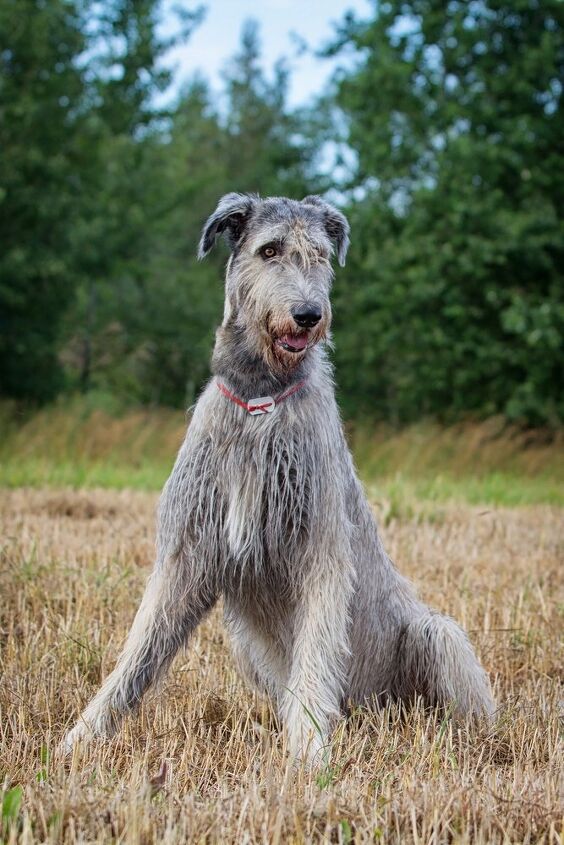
[217,38]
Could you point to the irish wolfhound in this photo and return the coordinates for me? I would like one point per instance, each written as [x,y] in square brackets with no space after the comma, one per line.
[263,508]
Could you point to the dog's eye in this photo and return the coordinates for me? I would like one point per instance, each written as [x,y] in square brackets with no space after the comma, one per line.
[268,251]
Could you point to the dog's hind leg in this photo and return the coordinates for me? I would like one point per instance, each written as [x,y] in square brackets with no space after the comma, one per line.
[172,606]
[436,661]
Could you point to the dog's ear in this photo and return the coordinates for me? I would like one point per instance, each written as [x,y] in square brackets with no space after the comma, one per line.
[336,226]
[229,218]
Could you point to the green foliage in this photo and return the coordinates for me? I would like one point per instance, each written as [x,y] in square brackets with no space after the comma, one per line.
[41,95]
[11,803]
[455,287]
[452,301]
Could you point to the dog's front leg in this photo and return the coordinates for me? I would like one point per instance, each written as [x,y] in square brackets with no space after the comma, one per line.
[174,602]
[311,703]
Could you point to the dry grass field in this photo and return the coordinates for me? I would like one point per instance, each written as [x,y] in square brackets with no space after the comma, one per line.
[204,761]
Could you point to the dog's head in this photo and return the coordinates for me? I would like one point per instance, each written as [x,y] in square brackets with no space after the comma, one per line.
[279,273]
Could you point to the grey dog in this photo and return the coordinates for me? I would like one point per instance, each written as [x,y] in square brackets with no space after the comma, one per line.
[264,509]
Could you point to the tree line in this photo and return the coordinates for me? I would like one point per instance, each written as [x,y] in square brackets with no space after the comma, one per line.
[444,138]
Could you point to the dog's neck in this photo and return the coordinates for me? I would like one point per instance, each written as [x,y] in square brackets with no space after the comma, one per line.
[247,374]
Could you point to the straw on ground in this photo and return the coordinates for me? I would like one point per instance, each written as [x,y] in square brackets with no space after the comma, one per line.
[204,761]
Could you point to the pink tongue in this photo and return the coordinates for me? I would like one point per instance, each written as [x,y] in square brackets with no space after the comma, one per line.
[296,341]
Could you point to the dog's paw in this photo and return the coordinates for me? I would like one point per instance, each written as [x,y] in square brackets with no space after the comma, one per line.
[98,721]
[80,732]
[309,750]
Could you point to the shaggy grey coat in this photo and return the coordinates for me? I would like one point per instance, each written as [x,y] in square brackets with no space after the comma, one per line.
[267,512]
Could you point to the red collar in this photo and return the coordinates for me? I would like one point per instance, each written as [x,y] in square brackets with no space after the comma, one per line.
[262,405]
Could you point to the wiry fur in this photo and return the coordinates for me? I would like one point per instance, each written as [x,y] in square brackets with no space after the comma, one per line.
[267,512]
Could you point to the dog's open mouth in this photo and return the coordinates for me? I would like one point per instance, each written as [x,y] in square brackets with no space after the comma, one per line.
[295,343]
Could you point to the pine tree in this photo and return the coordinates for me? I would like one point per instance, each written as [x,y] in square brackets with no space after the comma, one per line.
[42,92]
[455,113]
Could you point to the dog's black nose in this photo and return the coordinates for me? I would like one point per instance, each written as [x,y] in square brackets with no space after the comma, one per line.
[307,316]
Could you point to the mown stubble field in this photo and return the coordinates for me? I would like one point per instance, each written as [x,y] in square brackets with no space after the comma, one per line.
[204,761]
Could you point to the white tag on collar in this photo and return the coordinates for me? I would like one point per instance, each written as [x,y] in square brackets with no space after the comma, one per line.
[263,405]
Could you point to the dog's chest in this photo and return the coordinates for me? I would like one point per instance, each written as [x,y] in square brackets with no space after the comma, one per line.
[268,501]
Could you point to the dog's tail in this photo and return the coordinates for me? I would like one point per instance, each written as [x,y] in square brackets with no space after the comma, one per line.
[437,662]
